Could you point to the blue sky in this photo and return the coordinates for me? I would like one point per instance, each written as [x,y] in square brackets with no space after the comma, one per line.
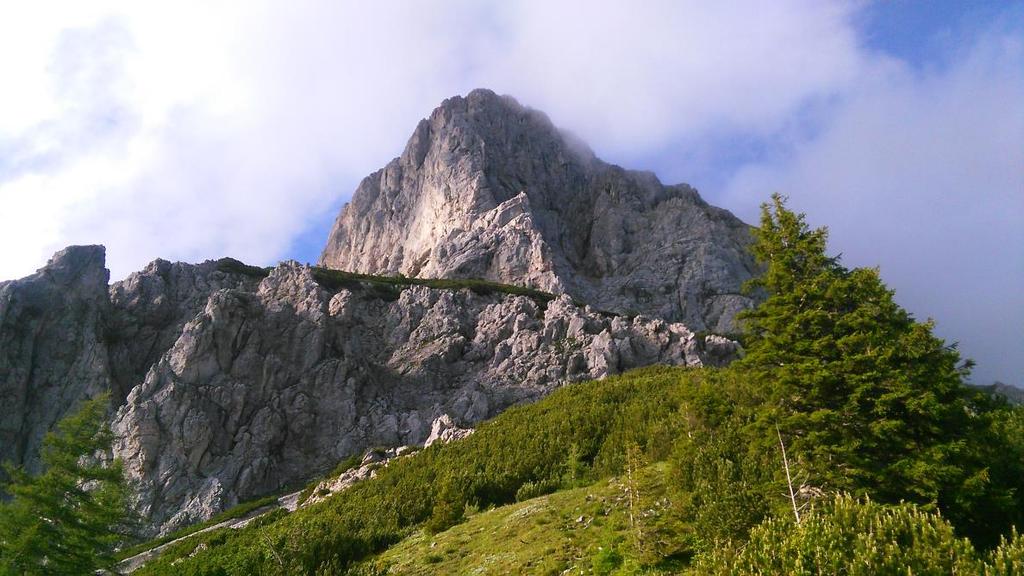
[200,130]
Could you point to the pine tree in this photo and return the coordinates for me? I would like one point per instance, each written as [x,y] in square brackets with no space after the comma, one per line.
[873,400]
[66,520]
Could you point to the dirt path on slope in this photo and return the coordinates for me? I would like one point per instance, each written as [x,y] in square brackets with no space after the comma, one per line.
[289,502]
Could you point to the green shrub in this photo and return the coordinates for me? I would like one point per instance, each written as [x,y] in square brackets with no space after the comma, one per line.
[232,266]
[727,488]
[1008,558]
[607,560]
[449,507]
[851,537]
[70,518]
[534,489]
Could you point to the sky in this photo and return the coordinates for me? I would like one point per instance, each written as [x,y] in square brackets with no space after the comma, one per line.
[196,129]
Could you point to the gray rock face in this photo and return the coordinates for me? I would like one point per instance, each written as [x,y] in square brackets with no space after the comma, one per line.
[66,336]
[444,430]
[266,387]
[489,189]
[150,308]
[233,382]
[52,349]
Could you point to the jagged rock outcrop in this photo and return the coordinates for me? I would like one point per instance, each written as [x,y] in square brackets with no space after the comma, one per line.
[444,430]
[367,468]
[268,386]
[489,189]
[232,382]
[66,336]
[53,352]
[149,309]
[1012,394]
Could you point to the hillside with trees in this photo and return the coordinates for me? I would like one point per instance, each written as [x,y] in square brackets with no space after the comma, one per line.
[844,441]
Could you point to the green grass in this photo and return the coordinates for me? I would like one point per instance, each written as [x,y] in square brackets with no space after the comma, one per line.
[525,444]
[233,266]
[389,287]
[571,529]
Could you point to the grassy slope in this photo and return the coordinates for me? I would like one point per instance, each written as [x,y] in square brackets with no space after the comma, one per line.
[388,287]
[582,433]
[563,531]
[524,444]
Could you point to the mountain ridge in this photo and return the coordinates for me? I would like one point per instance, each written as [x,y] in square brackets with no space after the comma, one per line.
[228,352]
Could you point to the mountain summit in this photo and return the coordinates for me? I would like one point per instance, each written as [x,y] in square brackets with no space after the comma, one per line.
[229,382]
[488,188]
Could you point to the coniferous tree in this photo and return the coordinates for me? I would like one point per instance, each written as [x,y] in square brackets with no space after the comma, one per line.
[873,400]
[68,519]
[449,507]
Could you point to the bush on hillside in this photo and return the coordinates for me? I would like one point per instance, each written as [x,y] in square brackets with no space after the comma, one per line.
[847,536]
[1008,558]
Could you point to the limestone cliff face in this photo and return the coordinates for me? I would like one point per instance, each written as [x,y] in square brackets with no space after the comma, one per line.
[66,336]
[52,349]
[268,386]
[230,382]
[487,188]
[150,308]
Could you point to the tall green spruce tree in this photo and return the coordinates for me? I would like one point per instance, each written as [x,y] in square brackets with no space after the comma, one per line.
[867,397]
[66,520]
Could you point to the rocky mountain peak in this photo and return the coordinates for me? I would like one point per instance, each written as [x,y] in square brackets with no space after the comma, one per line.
[499,122]
[52,353]
[489,188]
[83,265]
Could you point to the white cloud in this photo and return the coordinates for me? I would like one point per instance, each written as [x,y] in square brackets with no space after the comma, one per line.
[632,76]
[922,174]
[199,129]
